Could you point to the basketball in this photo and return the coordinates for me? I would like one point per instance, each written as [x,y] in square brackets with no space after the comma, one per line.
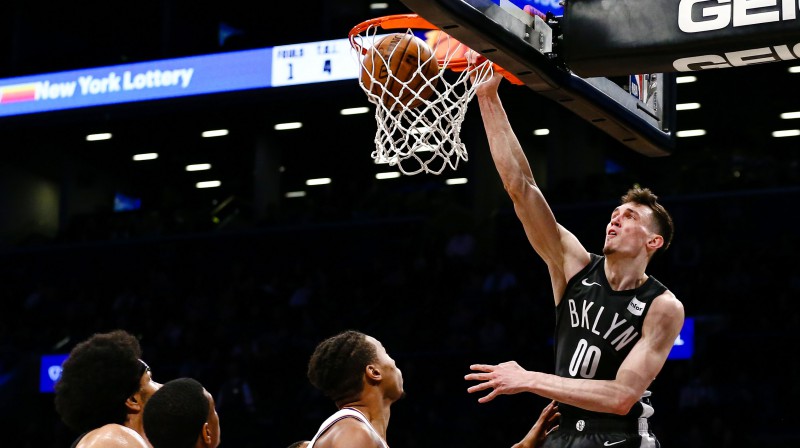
[400,64]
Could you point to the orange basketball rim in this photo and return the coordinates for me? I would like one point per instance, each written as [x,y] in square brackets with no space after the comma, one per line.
[449,52]
[419,113]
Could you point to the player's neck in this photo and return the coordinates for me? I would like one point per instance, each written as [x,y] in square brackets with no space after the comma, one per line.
[624,273]
[376,412]
[134,422]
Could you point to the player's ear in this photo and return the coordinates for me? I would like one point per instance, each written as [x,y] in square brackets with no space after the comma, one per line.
[205,435]
[373,373]
[655,242]
[134,403]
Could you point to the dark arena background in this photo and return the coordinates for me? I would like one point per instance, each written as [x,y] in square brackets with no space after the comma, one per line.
[235,285]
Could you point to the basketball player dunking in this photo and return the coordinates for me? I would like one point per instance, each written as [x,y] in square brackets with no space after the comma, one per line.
[615,325]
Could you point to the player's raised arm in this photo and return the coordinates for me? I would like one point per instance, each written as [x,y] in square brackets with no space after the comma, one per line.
[562,252]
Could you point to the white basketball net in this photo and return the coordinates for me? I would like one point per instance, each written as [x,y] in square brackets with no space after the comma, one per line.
[425,138]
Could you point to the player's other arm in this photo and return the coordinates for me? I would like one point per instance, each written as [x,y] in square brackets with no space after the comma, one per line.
[547,423]
[661,326]
[562,252]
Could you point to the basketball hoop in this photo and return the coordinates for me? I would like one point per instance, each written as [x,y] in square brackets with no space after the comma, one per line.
[420,135]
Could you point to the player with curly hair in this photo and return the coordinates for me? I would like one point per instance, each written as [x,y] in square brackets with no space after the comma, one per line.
[103,390]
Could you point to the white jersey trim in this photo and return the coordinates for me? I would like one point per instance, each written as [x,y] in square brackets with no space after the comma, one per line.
[342,414]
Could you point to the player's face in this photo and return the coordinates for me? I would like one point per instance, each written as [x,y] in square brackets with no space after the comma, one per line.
[392,376]
[147,386]
[213,421]
[629,229]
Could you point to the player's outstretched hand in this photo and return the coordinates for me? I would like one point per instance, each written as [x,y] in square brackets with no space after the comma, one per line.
[504,379]
[490,85]
[547,423]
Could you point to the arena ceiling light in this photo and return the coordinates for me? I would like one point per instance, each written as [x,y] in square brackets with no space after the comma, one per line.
[198,167]
[288,126]
[685,79]
[208,184]
[145,156]
[354,111]
[456,181]
[378,5]
[98,137]
[787,133]
[319,181]
[691,133]
[295,194]
[541,132]
[687,106]
[790,115]
[795,69]
[215,133]
[389,175]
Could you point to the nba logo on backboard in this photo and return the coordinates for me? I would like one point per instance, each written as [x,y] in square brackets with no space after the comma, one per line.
[638,87]
[645,89]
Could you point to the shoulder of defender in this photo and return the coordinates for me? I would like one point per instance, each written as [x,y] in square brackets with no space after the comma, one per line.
[113,435]
[349,432]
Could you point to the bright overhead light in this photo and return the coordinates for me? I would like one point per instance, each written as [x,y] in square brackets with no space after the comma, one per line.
[354,111]
[389,175]
[319,181]
[787,133]
[691,133]
[795,69]
[198,167]
[685,79]
[456,181]
[790,115]
[287,126]
[146,156]
[98,137]
[541,131]
[687,106]
[295,194]
[215,133]
[208,184]
[378,5]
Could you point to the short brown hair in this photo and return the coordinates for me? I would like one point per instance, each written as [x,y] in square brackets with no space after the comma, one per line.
[663,220]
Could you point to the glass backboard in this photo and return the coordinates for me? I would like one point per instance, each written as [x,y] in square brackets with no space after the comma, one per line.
[523,37]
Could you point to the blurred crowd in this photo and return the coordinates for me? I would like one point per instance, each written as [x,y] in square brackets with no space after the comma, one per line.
[242,309]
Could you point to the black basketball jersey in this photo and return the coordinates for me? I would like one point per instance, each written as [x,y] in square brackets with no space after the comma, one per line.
[596,328]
